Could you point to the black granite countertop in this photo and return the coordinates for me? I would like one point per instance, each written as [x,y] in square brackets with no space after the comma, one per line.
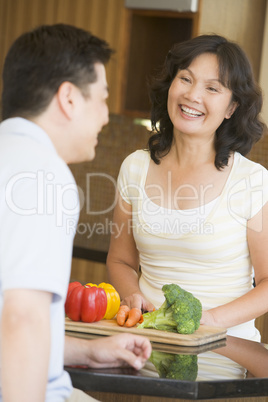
[233,368]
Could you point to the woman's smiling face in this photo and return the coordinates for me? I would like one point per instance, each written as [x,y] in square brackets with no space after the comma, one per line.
[197,101]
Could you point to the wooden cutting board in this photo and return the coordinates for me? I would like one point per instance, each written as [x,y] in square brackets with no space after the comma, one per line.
[202,336]
[164,347]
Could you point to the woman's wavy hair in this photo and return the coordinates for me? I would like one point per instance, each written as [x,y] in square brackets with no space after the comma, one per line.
[242,130]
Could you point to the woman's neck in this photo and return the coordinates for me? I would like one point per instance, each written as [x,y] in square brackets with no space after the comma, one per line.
[193,152]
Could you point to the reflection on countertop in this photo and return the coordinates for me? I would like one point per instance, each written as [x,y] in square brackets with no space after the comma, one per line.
[231,368]
[237,359]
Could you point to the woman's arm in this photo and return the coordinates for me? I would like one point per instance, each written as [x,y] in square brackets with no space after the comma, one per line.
[123,259]
[254,303]
[249,354]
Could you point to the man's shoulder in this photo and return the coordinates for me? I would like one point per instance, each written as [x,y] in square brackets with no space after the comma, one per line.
[27,149]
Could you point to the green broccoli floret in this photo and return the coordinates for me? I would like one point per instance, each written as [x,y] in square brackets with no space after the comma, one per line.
[172,292]
[181,312]
[178,367]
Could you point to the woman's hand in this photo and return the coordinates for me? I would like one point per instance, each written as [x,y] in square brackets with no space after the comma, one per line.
[112,351]
[139,301]
[208,319]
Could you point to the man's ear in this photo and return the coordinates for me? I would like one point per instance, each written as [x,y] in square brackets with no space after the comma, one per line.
[231,110]
[66,96]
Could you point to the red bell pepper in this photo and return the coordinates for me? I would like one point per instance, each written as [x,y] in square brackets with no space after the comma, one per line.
[83,303]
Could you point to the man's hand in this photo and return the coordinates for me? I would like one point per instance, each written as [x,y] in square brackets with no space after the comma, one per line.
[113,351]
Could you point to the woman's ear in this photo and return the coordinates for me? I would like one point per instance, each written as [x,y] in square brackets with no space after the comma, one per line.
[232,108]
[66,98]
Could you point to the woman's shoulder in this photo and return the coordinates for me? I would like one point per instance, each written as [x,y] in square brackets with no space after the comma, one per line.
[136,160]
[138,155]
[133,172]
[249,186]
[249,176]
[249,166]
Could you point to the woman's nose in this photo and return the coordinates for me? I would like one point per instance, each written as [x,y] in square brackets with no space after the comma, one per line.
[194,93]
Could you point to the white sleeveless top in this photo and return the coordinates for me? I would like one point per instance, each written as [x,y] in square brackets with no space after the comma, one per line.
[203,250]
[169,221]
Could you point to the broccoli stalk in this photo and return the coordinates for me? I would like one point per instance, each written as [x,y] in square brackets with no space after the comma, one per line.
[181,312]
[179,367]
[160,319]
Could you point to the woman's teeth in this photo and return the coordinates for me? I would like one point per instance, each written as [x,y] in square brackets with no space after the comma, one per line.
[190,112]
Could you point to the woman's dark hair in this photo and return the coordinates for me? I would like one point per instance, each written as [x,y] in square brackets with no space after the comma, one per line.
[39,61]
[242,130]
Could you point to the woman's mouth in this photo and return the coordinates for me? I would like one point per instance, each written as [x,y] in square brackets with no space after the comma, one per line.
[190,112]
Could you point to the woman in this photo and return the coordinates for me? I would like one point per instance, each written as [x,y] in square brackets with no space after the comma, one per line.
[193,210]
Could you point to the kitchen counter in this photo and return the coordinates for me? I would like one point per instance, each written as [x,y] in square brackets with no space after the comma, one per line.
[230,368]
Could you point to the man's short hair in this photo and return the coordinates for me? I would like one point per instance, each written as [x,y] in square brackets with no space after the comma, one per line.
[39,61]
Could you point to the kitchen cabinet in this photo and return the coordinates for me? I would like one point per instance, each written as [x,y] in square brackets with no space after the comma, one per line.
[150,34]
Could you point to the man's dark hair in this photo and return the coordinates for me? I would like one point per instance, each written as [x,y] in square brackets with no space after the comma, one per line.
[242,130]
[39,61]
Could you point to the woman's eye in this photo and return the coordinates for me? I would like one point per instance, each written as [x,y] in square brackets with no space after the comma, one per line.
[212,89]
[185,79]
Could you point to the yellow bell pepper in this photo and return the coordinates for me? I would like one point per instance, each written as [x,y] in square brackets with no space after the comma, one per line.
[113,299]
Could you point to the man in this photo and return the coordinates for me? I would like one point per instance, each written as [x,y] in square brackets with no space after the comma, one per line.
[53,107]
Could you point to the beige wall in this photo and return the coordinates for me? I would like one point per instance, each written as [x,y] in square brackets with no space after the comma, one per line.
[264,69]
[238,20]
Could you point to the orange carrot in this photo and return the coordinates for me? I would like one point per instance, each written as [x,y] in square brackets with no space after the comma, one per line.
[141,320]
[133,317]
[122,314]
